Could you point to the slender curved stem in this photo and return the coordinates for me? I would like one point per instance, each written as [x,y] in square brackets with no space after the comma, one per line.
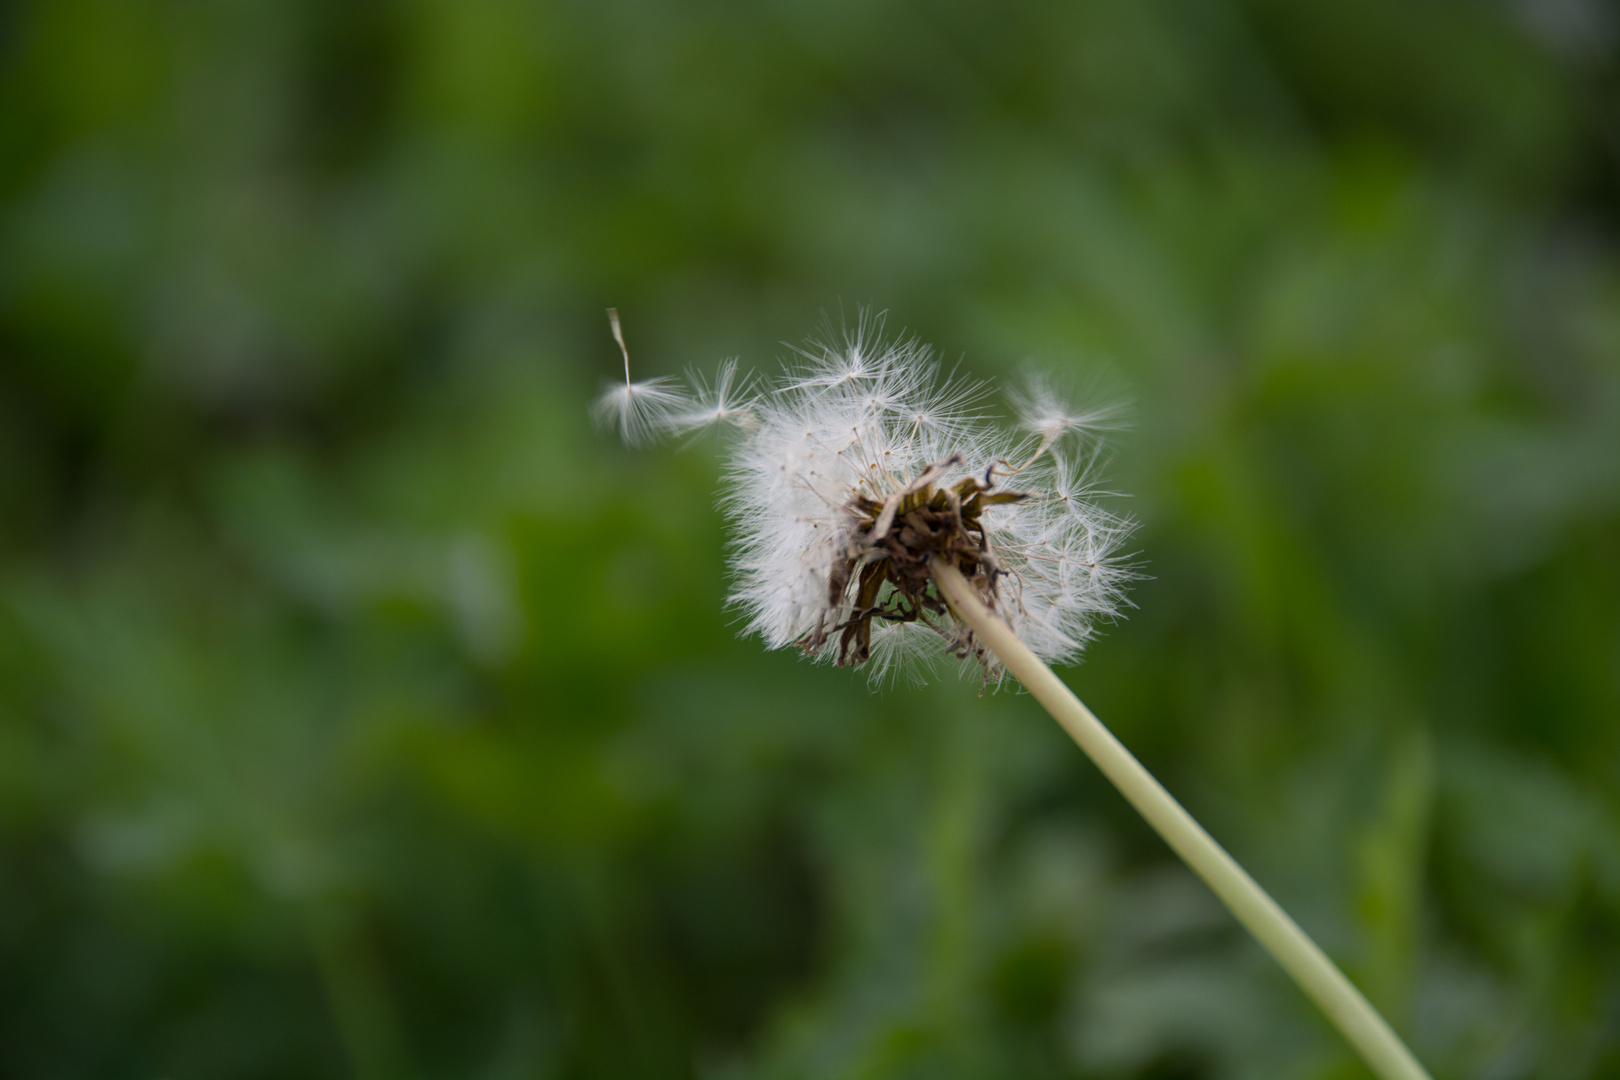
[1310,967]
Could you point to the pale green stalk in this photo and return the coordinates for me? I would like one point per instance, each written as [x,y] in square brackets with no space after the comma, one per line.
[1344,1005]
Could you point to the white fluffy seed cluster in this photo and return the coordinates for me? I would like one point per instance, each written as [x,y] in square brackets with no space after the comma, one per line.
[855,415]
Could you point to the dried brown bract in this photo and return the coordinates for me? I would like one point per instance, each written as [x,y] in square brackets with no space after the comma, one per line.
[889,551]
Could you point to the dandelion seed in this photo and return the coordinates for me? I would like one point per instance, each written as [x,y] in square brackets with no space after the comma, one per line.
[640,410]
[727,399]
[1045,411]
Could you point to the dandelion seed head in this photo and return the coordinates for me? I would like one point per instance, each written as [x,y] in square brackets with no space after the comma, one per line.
[862,463]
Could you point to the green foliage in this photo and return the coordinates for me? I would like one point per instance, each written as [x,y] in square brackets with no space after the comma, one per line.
[362,712]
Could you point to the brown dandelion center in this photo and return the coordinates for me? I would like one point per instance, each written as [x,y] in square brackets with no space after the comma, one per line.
[888,552]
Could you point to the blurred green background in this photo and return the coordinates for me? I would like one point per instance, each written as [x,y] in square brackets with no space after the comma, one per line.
[363,712]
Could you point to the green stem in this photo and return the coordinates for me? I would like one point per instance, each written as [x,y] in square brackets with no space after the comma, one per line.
[1344,1005]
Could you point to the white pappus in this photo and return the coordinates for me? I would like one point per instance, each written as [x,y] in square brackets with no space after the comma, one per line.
[862,464]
